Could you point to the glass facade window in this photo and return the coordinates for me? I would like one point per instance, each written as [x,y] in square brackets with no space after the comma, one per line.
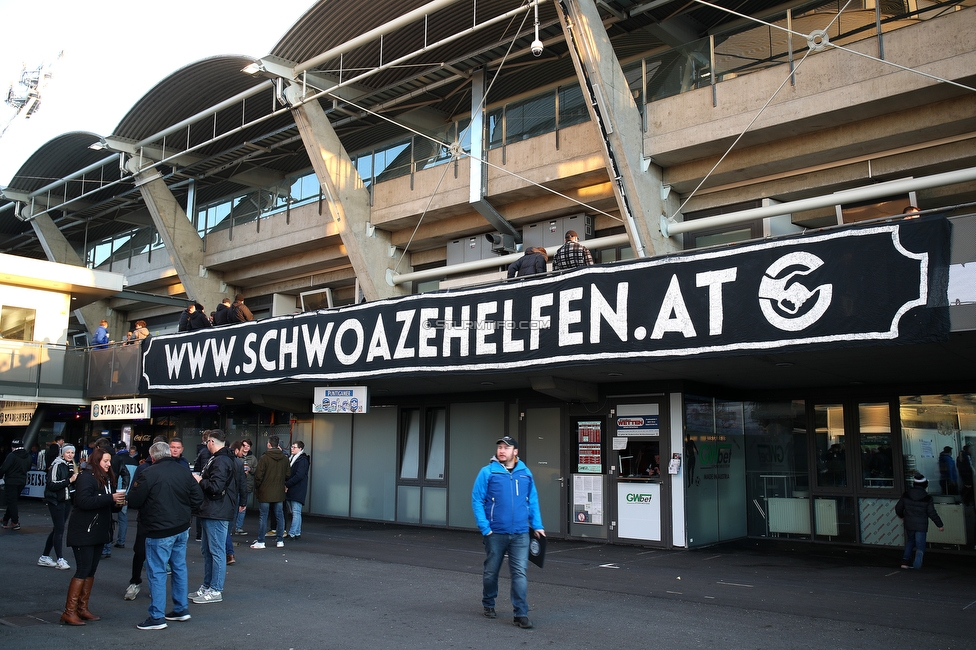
[410,444]
[572,106]
[421,492]
[777,469]
[938,439]
[828,422]
[875,441]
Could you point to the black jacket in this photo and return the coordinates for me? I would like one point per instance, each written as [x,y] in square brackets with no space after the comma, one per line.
[166,496]
[529,264]
[916,507]
[198,321]
[121,469]
[297,481]
[220,486]
[15,467]
[58,481]
[90,522]
[220,316]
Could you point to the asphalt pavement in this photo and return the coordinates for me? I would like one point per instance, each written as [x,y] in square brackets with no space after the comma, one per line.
[349,584]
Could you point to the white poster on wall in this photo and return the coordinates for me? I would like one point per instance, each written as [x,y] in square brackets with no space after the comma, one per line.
[341,399]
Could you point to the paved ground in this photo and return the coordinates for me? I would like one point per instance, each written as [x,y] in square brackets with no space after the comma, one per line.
[351,585]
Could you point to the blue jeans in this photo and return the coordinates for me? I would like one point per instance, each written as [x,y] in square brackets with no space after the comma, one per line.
[239,521]
[158,552]
[123,524]
[914,541]
[212,543]
[296,518]
[517,546]
[263,521]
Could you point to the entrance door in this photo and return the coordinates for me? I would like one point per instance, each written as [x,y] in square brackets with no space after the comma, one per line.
[640,485]
[857,472]
[542,454]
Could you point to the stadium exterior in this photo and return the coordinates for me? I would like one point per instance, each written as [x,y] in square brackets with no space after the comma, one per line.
[778,332]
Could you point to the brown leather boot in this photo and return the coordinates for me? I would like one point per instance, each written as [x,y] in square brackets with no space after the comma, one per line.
[83,601]
[70,615]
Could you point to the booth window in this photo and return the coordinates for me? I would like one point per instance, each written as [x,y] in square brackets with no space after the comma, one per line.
[17,323]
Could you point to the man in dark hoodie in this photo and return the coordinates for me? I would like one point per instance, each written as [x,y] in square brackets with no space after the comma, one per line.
[916,507]
[269,488]
[14,474]
[198,319]
[223,311]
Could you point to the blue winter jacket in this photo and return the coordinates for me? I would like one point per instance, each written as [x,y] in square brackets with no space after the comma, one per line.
[505,502]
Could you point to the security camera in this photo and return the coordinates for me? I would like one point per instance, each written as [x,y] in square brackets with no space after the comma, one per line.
[537,47]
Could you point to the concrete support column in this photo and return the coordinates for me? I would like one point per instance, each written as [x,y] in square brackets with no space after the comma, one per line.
[59,249]
[613,111]
[183,244]
[370,251]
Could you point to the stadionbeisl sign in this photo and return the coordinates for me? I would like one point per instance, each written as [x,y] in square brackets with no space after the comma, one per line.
[882,283]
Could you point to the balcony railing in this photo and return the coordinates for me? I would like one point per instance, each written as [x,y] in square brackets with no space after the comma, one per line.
[114,371]
[41,372]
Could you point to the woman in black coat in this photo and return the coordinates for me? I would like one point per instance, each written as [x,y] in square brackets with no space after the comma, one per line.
[533,262]
[90,528]
[61,477]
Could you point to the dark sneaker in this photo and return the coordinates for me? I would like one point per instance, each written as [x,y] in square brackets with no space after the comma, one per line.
[173,616]
[16,526]
[119,545]
[522,622]
[490,612]
[152,624]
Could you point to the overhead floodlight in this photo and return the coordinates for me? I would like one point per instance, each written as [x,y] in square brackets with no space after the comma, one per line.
[98,145]
[253,68]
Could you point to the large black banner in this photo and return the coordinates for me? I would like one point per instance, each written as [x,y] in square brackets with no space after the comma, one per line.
[857,286]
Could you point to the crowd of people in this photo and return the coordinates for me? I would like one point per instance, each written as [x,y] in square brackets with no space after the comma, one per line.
[87,499]
[195,317]
[87,496]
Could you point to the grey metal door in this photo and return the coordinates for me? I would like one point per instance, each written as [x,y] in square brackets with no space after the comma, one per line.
[542,454]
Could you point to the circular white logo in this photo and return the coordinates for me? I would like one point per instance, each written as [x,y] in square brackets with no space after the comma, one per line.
[785,302]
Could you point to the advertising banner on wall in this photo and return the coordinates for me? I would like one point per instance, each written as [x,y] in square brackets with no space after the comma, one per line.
[862,285]
[136,408]
[341,399]
[16,414]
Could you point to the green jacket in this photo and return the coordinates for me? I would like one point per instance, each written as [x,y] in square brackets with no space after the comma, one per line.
[252,464]
[269,479]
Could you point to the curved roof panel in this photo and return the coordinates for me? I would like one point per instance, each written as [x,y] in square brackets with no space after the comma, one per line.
[186,92]
[57,158]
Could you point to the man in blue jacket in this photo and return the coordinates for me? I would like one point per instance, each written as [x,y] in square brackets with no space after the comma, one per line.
[506,507]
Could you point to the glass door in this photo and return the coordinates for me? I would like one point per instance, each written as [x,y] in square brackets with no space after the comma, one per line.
[833,499]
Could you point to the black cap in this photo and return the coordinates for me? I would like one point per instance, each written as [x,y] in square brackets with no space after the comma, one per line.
[16,442]
[508,440]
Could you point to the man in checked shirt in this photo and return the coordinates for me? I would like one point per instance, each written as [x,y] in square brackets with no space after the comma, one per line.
[572,254]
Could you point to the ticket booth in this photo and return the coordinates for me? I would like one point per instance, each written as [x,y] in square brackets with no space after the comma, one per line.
[640,452]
